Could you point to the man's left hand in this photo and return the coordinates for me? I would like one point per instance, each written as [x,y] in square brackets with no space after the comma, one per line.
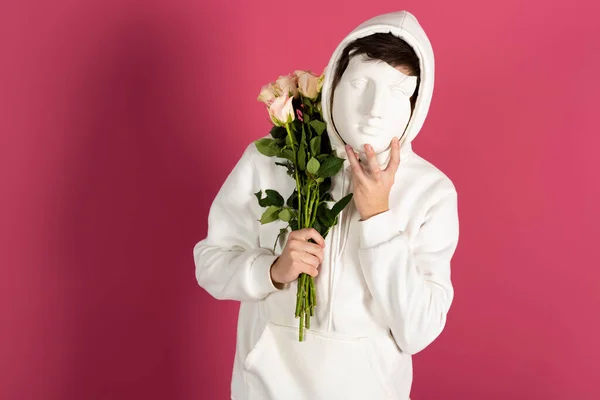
[372,185]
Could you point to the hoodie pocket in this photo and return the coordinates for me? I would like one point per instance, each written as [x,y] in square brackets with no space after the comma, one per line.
[323,366]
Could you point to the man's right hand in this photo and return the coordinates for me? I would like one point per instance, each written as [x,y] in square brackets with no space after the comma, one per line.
[298,256]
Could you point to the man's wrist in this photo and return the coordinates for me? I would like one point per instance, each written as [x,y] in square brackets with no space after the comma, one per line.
[278,285]
[370,214]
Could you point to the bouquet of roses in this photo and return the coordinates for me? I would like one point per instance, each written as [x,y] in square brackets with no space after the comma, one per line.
[299,139]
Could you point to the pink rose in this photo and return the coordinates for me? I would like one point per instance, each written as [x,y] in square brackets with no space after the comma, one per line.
[282,110]
[267,94]
[287,85]
[308,85]
[299,72]
[320,81]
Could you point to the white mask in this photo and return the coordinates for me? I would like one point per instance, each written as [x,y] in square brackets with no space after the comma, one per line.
[371,103]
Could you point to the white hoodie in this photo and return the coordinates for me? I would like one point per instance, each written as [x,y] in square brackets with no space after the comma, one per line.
[383,289]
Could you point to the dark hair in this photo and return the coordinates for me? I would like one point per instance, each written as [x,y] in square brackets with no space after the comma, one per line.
[383,47]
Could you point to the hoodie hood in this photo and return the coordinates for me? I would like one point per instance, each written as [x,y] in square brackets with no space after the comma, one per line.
[405,26]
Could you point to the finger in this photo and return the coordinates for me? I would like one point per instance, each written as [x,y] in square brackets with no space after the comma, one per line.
[356,167]
[308,233]
[371,159]
[311,260]
[308,248]
[308,269]
[395,156]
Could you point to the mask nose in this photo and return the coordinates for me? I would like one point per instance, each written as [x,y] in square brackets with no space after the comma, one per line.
[374,103]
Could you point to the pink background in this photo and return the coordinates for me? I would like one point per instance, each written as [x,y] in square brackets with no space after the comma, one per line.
[119,120]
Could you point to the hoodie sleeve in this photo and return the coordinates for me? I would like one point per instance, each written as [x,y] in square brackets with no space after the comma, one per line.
[229,263]
[410,280]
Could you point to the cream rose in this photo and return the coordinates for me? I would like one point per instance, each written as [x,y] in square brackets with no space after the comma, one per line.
[268,94]
[308,85]
[282,110]
[287,85]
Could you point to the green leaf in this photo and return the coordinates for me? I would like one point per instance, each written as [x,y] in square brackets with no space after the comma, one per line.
[281,232]
[288,154]
[313,166]
[296,126]
[285,215]
[325,216]
[326,145]
[315,146]
[261,202]
[326,197]
[330,166]
[325,186]
[340,205]
[292,201]
[303,141]
[307,102]
[294,224]
[271,214]
[302,158]
[320,228]
[319,126]
[302,151]
[322,157]
[290,167]
[278,132]
[273,198]
[267,147]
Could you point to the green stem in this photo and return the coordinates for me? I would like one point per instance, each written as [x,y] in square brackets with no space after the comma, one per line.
[299,297]
[291,136]
[301,327]
[307,317]
[313,207]
[314,296]
[306,212]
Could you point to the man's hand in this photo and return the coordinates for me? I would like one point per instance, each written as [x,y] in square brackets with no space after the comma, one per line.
[372,185]
[298,256]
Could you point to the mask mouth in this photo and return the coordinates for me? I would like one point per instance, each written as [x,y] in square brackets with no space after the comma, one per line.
[373,122]
[369,130]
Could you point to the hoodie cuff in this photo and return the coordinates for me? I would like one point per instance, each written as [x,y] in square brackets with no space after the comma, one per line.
[261,274]
[378,229]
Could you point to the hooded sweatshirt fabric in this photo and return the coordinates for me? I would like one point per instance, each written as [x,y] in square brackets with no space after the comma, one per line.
[383,289]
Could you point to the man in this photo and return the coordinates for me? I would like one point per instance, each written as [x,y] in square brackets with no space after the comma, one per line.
[383,274]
